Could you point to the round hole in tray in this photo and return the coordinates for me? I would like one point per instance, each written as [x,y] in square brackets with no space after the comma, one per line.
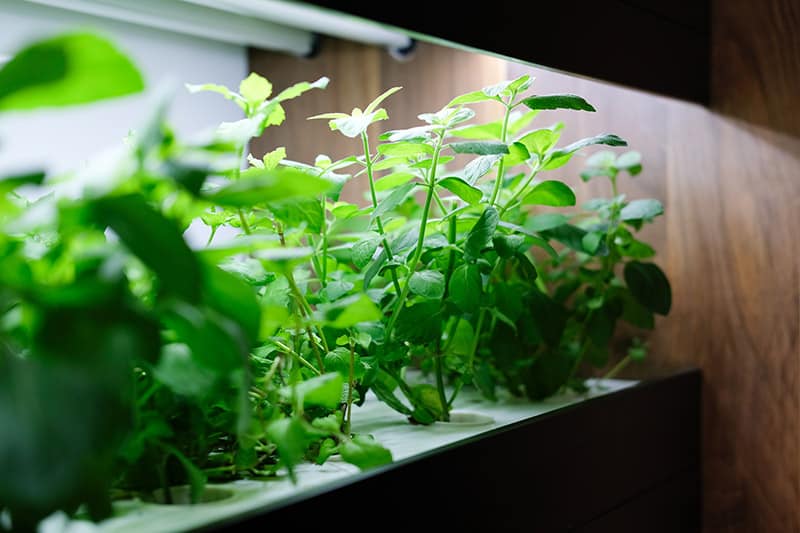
[181,495]
[469,418]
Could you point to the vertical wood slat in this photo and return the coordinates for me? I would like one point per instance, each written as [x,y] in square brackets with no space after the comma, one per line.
[730,180]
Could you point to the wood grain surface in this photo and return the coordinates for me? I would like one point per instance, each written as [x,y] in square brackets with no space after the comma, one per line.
[729,177]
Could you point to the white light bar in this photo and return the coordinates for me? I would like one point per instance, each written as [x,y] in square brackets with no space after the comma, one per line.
[313,18]
[200,21]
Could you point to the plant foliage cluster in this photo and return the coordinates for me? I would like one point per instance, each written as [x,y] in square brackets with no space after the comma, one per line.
[130,361]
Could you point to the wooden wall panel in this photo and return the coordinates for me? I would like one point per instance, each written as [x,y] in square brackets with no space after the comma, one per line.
[730,180]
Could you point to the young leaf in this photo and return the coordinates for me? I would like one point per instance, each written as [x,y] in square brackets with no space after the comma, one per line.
[427,283]
[540,141]
[375,103]
[299,88]
[393,200]
[649,286]
[255,89]
[471,98]
[481,234]
[558,101]
[552,193]
[156,241]
[478,167]
[480,148]
[462,189]
[355,125]
[465,287]
[605,138]
[258,186]
[364,452]
[66,70]
[641,209]
[517,153]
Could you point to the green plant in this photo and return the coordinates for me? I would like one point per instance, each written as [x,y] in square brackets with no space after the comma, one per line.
[163,364]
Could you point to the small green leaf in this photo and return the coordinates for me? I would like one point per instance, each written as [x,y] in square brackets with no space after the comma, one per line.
[507,245]
[292,436]
[479,147]
[363,251]
[336,289]
[259,186]
[375,103]
[415,134]
[649,286]
[462,189]
[471,98]
[364,452]
[517,153]
[393,200]
[465,287]
[630,161]
[66,70]
[405,149]
[360,310]
[322,391]
[540,141]
[478,167]
[255,89]
[641,209]
[427,283]
[552,193]
[491,131]
[481,234]
[545,221]
[558,101]
[605,138]
[299,88]
[393,180]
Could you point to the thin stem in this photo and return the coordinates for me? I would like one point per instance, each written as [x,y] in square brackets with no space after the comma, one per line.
[440,384]
[501,166]
[426,209]
[518,192]
[243,222]
[378,222]
[351,384]
[305,311]
[297,356]
[324,244]
[618,367]
[473,350]
[211,235]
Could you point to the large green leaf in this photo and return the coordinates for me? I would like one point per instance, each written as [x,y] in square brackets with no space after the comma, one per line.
[462,189]
[420,323]
[478,167]
[361,309]
[641,209]
[322,391]
[66,70]
[259,186]
[427,283]
[552,193]
[465,287]
[393,200]
[481,234]
[649,286]
[558,101]
[364,452]
[156,241]
[479,147]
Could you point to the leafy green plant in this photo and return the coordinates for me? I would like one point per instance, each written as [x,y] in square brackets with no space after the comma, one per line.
[172,365]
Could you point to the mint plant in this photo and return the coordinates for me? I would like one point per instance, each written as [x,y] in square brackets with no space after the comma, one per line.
[164,364]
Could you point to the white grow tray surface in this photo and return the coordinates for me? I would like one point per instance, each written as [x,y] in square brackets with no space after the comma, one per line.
[389,427]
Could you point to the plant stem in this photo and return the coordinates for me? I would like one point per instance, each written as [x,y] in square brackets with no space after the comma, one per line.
[440,384]
[618,367]
[501,166]
[243,222]
[426,209]
[474,349]
[297,356]
[324,244]
[518,192]
[351,383]
[378,223]
[305,311]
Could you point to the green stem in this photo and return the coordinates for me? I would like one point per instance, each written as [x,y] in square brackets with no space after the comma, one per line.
[426,209]
[518,192]
[351,383]
[440,385]
[501,166]
[473,350]
[243,222]
[378,222]
[618,367]
[297,356]
[324,244]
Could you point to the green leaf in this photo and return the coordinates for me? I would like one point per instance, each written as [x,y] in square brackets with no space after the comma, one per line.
[360,310]
[336,289]
[233,298]
[180,372]
[605,138]
[591,242]
[427,283]
[478,167]
[415,134]
[462,189]
[216,342]
[299,212]
[545,221]
[299,88]
[630,161]
[507,246]
[519,121]
[393,200]
[364,452]
[405,149]
[393,180]
[649,286]
[427,403]
[540,141]
[558,101]
[330,424]
[291,436]
[219,89]
[321,391]
[641,209]
[375,103]
[481,132]
[355,125]
[66,70]
[363,251]
[479,147]
[258,186]
[517,153]
[338,360]
[156,241]
[481,234]
[471,98]
[420,323]
[572,237]
[552,193]
[255,89]
[465,287]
